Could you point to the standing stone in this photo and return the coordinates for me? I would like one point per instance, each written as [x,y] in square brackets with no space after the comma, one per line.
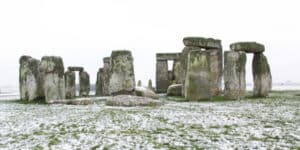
[139,83]
[177,72]
[216,70]
[150,86]
[183,61]
[84,80]
[170,77]
[106,75]
[261,75]
[99,83]
[234,74]
[70,84]
[197,83]
[162,81]
[52,69]
[122,79]
[30,79]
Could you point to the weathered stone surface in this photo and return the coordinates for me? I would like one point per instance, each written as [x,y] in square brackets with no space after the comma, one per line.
[150,86]
[170,77]
[139,83]
[52,69]
[80,101]
[80,69]
[106,75]
[162,76]
[215,59]
[145,92]
[168,56]
[183,61]
[261,75]
[197,83]
[70,84]
[132,101]
[175,90]
[234,74]
[84,80]
[201,42]
[99,83]
[30,79]
[122,79]
[177,72]
[248,47]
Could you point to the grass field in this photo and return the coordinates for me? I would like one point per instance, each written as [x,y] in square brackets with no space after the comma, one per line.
[272,122]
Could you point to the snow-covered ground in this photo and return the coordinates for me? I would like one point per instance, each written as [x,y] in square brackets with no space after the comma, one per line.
[268,123]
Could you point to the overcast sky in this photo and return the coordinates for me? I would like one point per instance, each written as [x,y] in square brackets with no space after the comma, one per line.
[85,31]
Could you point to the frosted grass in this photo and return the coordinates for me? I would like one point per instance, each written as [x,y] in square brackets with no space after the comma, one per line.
[251,123]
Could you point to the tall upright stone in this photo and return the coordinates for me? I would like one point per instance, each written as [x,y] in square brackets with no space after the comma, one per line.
[162,76]
[52,69]
[261,75]
[122,78]
[177,72]
[197,82]
[139,83]
[150,86]
[184,62]
[84,80]
[215,59]
[234,74]
[106,75]
[30,79]
[99,83]
[70,84]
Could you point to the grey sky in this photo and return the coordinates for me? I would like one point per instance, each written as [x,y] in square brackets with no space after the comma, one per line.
[85,31]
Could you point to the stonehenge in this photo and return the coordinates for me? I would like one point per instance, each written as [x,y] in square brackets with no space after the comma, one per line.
[46,81]
[261,71]
[196,74]
[234,69]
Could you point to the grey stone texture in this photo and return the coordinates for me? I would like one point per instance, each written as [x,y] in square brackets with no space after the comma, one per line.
[139,83]
[207,43]
[248,47]
[150,86]
[70,85]
[175,90]
[162,76]
[73,68]
[52,69]
[84,80]
[122,78]
[145,92]
[30,79]
[99,83]
[177,72]
[234,74]
[184,60]
[106,75]
[261,75]
[197,82]
[215,59]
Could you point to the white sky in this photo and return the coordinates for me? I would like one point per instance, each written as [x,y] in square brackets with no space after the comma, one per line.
[85,31]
